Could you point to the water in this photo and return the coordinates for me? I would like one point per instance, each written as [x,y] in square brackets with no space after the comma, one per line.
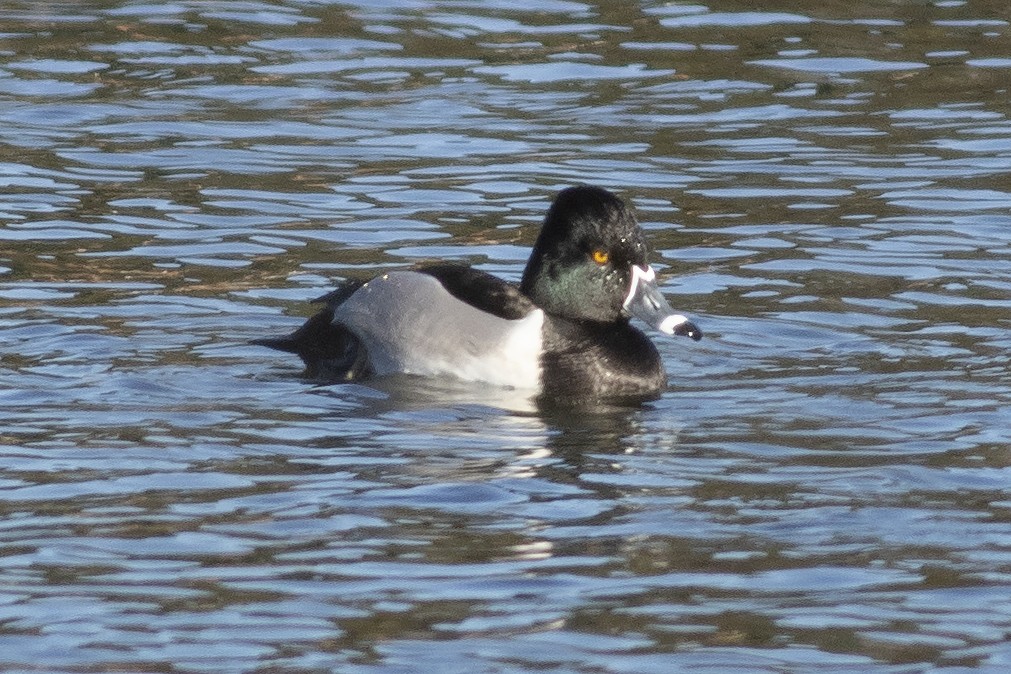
[824,486]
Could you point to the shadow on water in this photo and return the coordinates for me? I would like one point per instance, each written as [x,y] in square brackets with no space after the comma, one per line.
[573,430]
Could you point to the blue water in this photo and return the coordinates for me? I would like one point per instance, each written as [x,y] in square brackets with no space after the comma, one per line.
[824,486]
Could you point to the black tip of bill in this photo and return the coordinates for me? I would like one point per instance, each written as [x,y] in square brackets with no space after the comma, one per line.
[645,302]
[688,329]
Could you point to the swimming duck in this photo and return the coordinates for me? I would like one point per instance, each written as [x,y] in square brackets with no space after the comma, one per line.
[564,331]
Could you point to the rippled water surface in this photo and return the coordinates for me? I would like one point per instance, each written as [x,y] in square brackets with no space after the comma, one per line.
[823,487]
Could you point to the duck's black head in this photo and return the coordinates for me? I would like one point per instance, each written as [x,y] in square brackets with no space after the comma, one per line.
[590,264]
[581,264]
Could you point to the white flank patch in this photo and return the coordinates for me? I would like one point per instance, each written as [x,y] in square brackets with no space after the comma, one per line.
[409,323]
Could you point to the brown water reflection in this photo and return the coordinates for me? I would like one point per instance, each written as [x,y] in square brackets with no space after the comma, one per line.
[823,487]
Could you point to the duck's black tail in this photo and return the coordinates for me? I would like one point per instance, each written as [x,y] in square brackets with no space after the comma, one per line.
[330,352]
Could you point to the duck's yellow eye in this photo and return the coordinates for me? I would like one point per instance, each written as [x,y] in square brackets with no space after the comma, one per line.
[601,256]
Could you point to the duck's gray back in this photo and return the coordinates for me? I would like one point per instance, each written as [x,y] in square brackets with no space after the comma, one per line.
[408,322]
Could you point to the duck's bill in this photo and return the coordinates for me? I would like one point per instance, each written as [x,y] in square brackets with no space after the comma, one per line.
[647,303]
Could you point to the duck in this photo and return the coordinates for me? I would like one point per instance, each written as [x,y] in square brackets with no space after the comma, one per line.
[564,331]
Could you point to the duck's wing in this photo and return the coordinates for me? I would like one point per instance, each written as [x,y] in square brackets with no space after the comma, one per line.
[481,290]
[345,339]
[412,322]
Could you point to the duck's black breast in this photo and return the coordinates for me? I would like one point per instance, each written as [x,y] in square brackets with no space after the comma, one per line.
[579,359]
[586,359]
